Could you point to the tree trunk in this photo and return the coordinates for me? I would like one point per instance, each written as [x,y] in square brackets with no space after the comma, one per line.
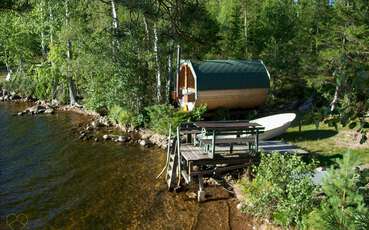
[72,98]
[245,27]
[167,92]
[9,71]
[177,69]
[51,18]
[146,28]
[115,27]
[43,47]
[51,32]
[335,98]
[157,61]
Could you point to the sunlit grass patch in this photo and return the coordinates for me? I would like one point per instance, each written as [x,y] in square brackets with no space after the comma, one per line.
[327,142]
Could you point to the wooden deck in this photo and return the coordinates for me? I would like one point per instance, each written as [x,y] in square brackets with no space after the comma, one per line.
[195,153]
[191,158]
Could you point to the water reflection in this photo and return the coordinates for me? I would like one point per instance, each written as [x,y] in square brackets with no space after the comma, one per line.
[57,181]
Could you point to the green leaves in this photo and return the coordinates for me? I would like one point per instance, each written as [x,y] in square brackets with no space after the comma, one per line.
[282,189]
[343,206]
[161,117]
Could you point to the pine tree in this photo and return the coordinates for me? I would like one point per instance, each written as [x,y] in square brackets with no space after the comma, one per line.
[343,206]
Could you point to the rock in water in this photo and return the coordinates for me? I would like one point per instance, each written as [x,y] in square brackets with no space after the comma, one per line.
[55,103]
[106,137]
[122,139]
[143,142]
[35,109]
[83,135]
[49,111]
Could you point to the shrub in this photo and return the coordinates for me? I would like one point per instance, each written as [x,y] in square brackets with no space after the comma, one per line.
[343,206]
[281,191]
[161,117]
[21,84]
[119,115]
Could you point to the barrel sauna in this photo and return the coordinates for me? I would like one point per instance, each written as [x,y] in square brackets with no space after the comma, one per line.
[221,84]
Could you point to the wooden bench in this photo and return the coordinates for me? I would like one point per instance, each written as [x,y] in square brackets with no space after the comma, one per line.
[228,133]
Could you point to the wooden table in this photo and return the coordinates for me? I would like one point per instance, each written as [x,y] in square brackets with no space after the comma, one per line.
[230,132]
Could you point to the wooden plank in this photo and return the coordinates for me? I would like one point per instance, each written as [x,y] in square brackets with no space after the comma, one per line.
[281,147]
[227,125]
[235,140]
[231,98]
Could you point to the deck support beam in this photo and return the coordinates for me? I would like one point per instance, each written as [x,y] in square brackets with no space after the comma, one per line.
[201,192]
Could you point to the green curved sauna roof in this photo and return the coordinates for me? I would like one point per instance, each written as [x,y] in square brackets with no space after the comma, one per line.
[230,74]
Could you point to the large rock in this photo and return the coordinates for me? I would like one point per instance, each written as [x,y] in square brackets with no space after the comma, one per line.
[54,103]
[49,111]
[143,143]
[104,121]
[35,109]
[122,139]
[159,140]
[146,134]
[106,137]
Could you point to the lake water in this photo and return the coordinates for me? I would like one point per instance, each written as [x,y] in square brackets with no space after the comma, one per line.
[49,179]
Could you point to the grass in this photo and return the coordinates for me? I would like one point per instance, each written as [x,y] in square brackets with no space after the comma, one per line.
[327,144]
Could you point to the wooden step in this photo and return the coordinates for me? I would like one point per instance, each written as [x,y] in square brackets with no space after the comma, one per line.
[171,173]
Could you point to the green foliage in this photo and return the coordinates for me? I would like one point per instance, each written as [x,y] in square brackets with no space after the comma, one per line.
[161,117]
[119,115]
[304,44]
[343,206]
[282,189]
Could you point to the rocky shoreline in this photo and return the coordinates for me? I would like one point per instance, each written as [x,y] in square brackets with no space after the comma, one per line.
[99,129]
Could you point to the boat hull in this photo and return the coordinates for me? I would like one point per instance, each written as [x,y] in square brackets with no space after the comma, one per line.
[275,125]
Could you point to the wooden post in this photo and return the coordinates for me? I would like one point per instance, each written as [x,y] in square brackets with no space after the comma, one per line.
[257,140]
[179,154]
[211,155]
[201,192]
[177,72]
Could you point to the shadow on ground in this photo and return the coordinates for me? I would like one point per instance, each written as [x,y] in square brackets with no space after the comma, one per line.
[308,135]
[324,160]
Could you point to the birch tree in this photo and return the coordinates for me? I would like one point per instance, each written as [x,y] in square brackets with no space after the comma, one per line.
[157,63]
[115,23]
[71,88]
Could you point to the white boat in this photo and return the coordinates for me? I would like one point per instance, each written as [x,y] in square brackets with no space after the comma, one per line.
[275,125]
